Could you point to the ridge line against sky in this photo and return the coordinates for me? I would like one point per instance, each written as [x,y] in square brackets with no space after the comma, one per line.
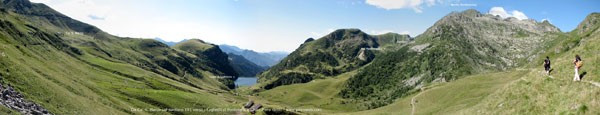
[283,25]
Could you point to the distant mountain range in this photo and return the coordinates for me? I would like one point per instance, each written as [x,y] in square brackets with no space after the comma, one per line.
[170,43]
[459,44]
[466,63]
[246,62]
[267,59]
[70,67]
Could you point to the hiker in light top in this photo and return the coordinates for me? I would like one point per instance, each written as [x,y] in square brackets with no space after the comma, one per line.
[547,65]
[578,63]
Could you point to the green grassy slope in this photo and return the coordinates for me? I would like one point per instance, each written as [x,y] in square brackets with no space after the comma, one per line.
[321,93]
[526,90]
[445,98]
[459,44]
[209,57]
[68,72]
[557,93]
[245,67]
[522,90]
[338,52]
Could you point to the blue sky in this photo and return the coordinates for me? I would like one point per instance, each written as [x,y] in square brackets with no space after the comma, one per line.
[282,25]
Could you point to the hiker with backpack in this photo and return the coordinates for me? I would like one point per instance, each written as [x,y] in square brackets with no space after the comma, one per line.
[547,65]
[578,63]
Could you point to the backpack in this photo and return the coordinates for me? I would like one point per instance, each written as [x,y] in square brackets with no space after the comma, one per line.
[579,64]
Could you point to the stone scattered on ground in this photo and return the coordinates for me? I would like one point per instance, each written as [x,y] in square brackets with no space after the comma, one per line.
[14,100]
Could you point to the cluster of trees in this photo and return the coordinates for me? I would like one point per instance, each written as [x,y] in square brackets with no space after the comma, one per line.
[289,78]
[383,80]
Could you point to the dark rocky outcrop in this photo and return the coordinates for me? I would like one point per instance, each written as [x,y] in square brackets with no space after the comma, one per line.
[14,100]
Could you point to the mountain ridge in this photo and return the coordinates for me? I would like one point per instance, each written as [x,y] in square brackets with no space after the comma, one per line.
[267,59]
[56,63]
[342,50]
[59,63]
[459,44]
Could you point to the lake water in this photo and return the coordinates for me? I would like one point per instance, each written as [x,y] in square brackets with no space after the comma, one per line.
[245,81]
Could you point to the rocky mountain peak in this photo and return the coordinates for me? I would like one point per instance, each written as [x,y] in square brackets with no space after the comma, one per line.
[592,21]
[342,34]
[470,13]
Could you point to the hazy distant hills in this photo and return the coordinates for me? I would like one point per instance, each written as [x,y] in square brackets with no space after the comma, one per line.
[245,62]
[60,63]
[341,51]
[267,59]
[245,67]
[170,43]
[466,63]
[461,43]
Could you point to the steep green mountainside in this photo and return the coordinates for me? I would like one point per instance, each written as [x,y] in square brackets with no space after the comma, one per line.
[591,22]
[392,40]
[147,54]
[43,15]
[557,90]
[244,66]
[524,90]
[61,63]
[210,58]
[341,51]
[467,63]
[459,44]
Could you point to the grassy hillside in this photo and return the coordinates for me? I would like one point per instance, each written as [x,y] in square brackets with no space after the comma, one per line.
[341,51]
[449,97]
[526,90]
[557,93]
[244,66]
[69,68]
[467,63]
[209,57]
[459,44]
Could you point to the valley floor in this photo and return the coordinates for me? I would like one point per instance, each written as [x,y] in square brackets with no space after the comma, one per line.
[519,91]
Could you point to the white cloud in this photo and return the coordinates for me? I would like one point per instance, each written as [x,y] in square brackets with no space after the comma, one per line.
[547,19]
[416,5]
[519,15]
[430,2]
[499,11]
[83,10]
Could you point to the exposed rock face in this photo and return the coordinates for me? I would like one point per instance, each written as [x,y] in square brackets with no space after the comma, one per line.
[419,48]
[590,22]
[459,44]
[509,39]
[14,100]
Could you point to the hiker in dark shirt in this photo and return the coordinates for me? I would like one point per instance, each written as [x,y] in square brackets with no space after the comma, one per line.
[547,65]
[578,63]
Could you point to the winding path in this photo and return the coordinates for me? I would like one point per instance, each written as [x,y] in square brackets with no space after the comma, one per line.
[594,83]
[590,82]
[412,102]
